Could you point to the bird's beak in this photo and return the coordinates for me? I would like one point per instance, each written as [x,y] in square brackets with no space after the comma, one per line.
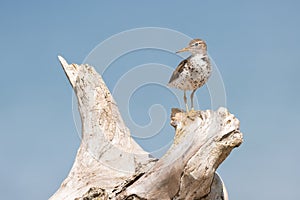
[182,50]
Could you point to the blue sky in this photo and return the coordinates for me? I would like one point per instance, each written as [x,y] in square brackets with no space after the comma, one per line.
[254,43]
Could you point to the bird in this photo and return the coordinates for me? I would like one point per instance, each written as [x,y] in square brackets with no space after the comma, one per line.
[193,72]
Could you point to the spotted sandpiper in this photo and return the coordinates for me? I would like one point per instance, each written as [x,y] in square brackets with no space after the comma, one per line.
[193,72]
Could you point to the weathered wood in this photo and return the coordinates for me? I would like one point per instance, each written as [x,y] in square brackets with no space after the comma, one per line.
[111,165]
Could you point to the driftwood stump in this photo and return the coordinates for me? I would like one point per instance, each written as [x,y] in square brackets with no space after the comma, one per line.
[111,165]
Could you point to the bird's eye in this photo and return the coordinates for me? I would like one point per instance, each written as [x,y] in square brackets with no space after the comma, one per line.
[196,44]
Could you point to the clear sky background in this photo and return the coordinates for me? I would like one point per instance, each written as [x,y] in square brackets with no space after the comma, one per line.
[255,44]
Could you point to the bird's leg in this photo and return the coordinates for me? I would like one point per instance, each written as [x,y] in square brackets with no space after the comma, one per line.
[185,101]
[192,99]
[192,113]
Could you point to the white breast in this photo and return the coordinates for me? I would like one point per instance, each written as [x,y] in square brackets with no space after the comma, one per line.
[197,60]
[194,74]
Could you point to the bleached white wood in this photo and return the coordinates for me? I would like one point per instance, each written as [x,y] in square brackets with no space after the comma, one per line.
[107,154]
[110,164]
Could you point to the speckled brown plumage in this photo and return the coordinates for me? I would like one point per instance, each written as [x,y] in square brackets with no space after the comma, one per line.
[192,72]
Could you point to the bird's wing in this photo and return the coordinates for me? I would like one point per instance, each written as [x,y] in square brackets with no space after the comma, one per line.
[178,70]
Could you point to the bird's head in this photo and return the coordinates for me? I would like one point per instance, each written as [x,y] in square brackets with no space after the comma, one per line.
[196,46]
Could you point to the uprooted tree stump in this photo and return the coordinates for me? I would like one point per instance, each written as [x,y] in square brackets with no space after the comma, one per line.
[111,165]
